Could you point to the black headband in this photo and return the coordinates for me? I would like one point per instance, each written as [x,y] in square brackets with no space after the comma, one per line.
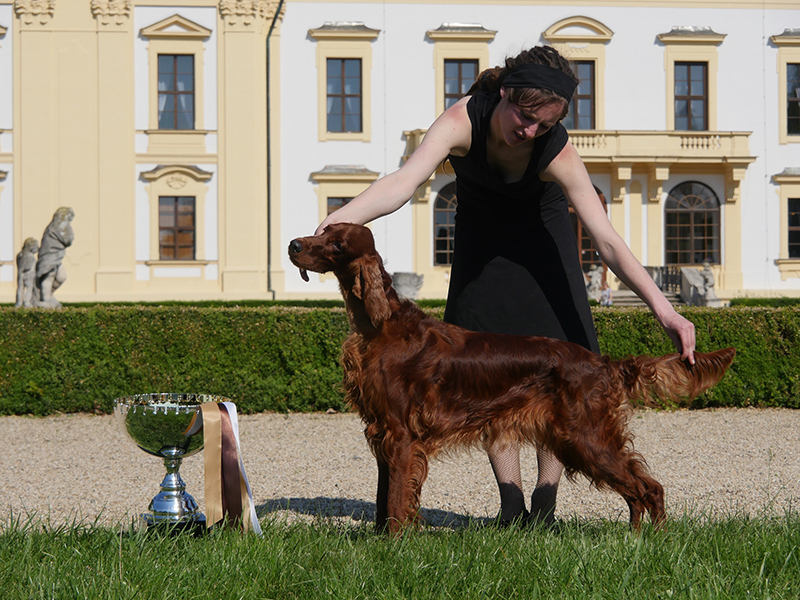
[531,75]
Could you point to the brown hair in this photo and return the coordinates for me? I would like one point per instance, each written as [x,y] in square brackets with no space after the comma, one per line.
[491,80]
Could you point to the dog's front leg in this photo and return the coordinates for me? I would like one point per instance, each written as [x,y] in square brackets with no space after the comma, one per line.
[381,503]
[408,469]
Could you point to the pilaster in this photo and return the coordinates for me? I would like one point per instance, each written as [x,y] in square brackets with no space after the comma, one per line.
[731,275]
[34,190]
[243,174]
[635,212]
[56,128]
[656,177]
[620,179]
[116,152]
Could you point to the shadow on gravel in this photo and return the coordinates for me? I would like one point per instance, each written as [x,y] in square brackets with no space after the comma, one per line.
[358,510]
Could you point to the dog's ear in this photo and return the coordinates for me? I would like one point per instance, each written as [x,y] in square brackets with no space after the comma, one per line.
[368,286]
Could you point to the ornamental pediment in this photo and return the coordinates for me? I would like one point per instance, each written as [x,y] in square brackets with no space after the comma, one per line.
[578,29]
[176,26]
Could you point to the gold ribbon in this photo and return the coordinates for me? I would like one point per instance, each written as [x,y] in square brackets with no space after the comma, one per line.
[228,498]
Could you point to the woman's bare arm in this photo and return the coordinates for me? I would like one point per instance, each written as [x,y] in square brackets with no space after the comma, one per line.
[450,133]
[568,170]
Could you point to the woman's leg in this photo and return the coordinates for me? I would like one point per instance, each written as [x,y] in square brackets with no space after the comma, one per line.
[505,464]
[543,499]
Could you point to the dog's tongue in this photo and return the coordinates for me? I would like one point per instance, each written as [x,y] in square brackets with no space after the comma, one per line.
[304,274]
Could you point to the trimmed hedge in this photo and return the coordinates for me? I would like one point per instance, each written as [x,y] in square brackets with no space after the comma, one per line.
[773,302]
[286,359]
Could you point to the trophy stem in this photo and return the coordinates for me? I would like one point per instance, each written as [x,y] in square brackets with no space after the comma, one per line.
[173,505]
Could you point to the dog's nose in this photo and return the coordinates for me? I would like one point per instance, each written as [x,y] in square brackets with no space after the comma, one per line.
[295,246]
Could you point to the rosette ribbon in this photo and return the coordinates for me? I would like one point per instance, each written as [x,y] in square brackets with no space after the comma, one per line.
[227,490]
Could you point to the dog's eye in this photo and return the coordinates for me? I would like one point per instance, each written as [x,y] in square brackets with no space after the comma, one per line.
[337,245]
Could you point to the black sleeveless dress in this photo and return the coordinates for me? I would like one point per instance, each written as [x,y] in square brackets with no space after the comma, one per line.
[515,266]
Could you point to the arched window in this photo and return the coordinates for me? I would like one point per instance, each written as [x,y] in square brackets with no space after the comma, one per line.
[444,219]
[588,253]
[691,230]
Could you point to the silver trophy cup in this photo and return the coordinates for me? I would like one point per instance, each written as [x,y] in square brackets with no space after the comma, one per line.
[168,426]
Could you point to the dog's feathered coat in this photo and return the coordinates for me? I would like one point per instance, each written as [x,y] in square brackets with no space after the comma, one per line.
[422,386]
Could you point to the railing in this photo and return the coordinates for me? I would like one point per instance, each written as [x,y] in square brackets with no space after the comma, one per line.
[701,142]
[668,279]
[645,146]
[713,146]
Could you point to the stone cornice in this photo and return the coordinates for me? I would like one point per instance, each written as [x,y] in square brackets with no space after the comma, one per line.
[449,32]
[698,35]
[344,173]
[350,30]
[789,37]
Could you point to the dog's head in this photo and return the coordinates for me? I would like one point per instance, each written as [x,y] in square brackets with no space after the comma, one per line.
[347,250]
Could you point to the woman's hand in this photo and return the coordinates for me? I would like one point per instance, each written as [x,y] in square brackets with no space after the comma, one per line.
[681,332]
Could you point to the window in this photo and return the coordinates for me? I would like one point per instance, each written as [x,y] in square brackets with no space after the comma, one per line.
[589,255]
[793,98]
[691,99]
[335,203]
[691,56]
[794,227]
[175,91]
[176,48]
[788,44]
[788,261]
[459,75]
[338,184]
[344,80]
[692,225]
[176,227]
[583,40]
[581,108]
[344,95]
[444,223]
[460,53]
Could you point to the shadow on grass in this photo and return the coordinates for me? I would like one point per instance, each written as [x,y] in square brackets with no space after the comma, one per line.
[358,510]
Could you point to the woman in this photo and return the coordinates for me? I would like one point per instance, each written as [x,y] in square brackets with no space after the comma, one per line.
[515,265]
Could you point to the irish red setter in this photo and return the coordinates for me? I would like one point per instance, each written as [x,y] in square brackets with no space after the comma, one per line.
[422,386]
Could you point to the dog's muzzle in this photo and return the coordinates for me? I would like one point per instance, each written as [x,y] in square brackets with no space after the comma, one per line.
[296,247]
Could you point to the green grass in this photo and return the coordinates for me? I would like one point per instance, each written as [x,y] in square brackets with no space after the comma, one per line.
[694,557]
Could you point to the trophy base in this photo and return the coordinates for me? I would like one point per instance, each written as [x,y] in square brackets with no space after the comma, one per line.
[195,525]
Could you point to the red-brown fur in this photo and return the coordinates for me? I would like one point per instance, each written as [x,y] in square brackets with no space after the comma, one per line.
[423,386]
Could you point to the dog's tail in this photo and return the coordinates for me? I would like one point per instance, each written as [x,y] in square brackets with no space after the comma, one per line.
[670,380]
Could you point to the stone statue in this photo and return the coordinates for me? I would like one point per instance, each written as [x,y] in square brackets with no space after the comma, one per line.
[708,280]
[709,295]
[27,291]
[595,282]
[697,286]
[50,273]
[407,285]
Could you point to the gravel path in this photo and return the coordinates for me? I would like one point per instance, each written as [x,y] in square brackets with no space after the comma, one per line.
[69,467]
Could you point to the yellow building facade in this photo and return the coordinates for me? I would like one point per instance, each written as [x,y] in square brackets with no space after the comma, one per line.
[86,130]
[193,138]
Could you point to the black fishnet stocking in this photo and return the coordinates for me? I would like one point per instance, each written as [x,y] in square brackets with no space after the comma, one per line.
[505,464]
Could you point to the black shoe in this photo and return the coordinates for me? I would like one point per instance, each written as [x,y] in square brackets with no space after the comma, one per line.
[552,525]
[500,523]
